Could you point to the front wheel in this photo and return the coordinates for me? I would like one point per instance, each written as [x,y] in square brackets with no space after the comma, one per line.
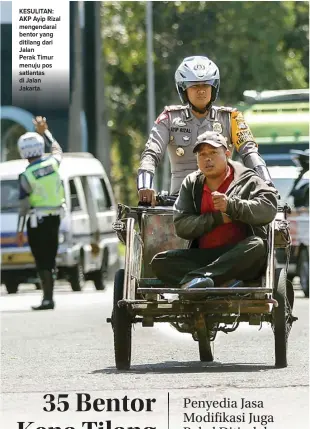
[205,351]
[303,271]
[122,326]
[203,338]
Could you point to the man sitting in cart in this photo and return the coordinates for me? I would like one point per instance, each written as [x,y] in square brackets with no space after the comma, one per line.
[223,209]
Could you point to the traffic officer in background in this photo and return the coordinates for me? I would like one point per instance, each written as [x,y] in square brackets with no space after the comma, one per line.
[176,129]
[42,199]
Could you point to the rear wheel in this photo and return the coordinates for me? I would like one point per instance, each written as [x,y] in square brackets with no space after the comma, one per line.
[281,318]
[38,286]
[122,326]
[11,286]
[99,277]
[76,277]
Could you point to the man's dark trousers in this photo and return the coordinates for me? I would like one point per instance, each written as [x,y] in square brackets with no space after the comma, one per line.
[243,261]
[43,242]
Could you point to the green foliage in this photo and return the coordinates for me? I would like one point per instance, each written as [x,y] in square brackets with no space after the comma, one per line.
[257,45]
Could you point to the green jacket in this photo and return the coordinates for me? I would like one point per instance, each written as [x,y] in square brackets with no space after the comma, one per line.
[250,200]
[45,182]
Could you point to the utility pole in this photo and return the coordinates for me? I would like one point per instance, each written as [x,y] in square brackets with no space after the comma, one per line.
[94,95]
[150,65]
[151,101]
[165,168]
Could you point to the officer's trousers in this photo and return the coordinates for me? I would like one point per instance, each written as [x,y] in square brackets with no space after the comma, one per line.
[43,242]
[243,261]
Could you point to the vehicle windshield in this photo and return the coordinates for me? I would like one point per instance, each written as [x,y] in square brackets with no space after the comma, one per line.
[9,195]
[276,155]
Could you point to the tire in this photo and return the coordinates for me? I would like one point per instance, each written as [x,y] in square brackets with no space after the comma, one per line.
[204,344]
[76,277]
[290,293]
[303,271]
[205,352]
[11,286]
[99,276]
[122,326]
[290,277]
[280,315]
[38,286]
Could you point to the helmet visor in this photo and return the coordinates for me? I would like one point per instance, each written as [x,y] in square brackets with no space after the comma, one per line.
[212,82]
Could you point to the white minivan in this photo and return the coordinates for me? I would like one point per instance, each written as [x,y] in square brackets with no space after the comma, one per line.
[88,246]
[283,178]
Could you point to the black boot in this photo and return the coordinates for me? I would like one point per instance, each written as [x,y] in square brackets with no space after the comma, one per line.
[48,288]
[45,305]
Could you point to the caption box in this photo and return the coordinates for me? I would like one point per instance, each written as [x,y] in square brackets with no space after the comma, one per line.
[40,54]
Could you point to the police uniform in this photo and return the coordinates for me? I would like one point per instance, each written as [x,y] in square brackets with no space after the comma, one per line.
[176,130]
[42,199]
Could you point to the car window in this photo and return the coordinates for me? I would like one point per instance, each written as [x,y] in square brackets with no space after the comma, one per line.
[99,192]
[9,195]
[284,187]
[106,192]
[74,197]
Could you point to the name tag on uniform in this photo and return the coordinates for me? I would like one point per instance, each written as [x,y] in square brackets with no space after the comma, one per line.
[44,171]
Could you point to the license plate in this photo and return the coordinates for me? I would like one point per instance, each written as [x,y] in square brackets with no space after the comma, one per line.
[17,258]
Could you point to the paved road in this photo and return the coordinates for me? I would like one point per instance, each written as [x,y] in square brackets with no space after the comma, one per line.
[70,351]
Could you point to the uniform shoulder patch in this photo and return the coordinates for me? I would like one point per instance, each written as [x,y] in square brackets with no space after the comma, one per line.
[227,109]
[162,117]
[175,107]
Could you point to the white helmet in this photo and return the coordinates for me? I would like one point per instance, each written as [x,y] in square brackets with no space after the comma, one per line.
[193,70]
[30,145]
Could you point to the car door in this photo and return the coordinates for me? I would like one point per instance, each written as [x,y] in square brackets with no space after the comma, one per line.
[80,222]
[105,211]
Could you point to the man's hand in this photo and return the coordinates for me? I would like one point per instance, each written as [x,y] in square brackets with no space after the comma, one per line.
[219,201]
[20,239]
[40,124]
[226,218]
[147,196]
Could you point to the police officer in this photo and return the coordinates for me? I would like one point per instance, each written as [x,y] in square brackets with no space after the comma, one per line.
[176,129]
[42,198]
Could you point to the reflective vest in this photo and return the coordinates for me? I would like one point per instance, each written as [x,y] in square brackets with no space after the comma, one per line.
[46,184]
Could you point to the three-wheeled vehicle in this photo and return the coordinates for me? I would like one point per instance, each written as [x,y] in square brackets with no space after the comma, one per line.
[139,297]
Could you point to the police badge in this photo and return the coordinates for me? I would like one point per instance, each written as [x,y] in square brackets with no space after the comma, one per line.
[217,127]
